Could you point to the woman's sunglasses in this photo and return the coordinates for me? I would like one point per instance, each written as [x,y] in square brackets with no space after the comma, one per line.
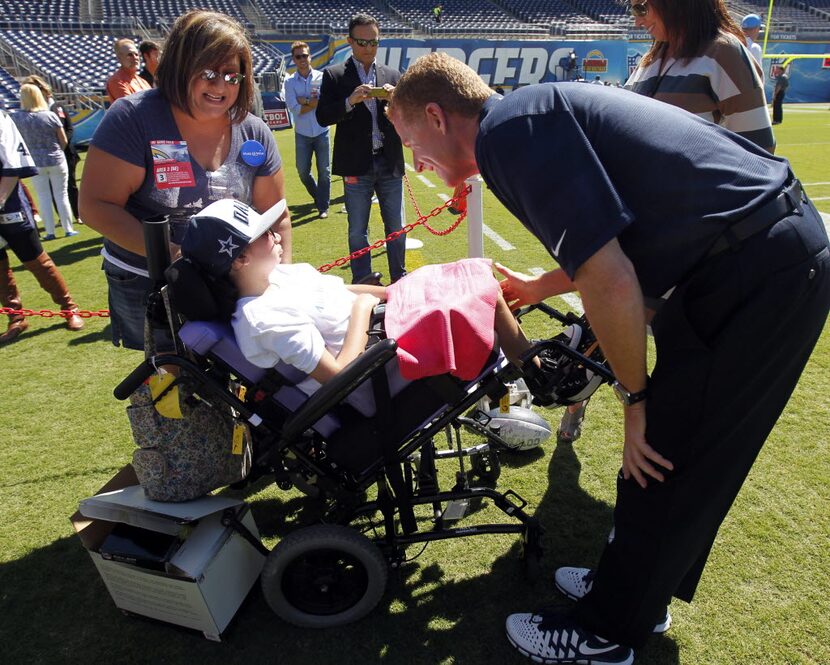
[232,78]
[365,42]
[639,9]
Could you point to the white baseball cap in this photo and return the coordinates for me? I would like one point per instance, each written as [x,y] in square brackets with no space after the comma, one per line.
[219,233]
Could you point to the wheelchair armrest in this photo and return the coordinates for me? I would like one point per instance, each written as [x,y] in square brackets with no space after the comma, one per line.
[335,391]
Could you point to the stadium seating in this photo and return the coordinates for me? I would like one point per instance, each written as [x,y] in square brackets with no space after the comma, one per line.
[324,15]
[41,8]
[48,33]
[9,90]
[152,12]
[785,18]
[84,62]
[463,16]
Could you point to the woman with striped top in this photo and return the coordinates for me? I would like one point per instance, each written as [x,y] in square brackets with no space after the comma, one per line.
[700,63]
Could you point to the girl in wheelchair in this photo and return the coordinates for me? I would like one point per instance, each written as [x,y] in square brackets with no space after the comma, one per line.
[317,323]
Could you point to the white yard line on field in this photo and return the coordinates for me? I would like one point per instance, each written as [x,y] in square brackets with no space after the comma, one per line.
[573,300]
[496,238]
[424,180]
[490,233]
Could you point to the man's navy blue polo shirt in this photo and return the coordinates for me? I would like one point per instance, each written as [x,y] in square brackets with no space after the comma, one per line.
[580,165]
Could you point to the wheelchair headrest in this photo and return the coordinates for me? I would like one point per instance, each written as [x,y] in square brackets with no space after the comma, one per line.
[190,291]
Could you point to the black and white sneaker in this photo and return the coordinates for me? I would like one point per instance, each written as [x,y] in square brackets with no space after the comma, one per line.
[573,582]
[576,583]
[556,638]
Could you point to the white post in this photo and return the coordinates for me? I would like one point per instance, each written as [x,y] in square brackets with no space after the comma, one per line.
[475,217]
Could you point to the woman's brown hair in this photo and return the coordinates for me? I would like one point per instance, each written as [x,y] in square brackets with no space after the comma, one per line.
[691,25]
[203,40]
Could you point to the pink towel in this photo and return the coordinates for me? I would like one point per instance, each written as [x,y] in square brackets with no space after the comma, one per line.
[442,317]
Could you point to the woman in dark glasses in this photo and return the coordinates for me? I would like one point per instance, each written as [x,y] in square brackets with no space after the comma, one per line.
[172,151]
[700,63]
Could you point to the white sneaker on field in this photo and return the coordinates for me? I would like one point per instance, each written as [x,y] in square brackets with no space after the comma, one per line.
[576,583]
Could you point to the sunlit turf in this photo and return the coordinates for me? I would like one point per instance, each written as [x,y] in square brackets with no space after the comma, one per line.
[763,597]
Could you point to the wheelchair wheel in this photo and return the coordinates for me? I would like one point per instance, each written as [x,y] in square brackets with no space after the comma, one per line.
[486,466]
[324,576]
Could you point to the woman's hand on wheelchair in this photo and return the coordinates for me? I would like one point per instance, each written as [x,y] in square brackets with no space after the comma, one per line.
[519,289]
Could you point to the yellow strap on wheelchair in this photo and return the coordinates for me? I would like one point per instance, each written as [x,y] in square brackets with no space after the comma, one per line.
[239,431]
[168,405]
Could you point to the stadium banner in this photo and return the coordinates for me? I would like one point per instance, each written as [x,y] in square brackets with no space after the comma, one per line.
[275,111]
[510,64]
[84,123]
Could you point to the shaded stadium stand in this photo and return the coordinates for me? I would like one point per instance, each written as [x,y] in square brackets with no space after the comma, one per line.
[324,16]
[152,13]
[45,8]
[84,62]
[70,41]
[9,90]
[77,62]
[572,16]
[785,18]
[464,17]
[266,58]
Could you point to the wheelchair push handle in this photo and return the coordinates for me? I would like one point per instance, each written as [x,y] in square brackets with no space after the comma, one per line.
[156,231]
[135,378]
[565,319]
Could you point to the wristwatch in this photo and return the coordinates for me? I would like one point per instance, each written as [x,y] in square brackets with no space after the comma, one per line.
[626,397]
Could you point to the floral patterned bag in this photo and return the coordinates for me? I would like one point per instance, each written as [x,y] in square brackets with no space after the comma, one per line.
[179,459]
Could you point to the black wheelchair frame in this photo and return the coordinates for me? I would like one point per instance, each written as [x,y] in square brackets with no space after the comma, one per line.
[331,574]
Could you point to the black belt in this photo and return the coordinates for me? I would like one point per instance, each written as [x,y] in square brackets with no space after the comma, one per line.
[788,201]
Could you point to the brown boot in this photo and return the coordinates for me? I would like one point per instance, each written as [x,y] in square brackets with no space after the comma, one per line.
[51,281]
[10,297]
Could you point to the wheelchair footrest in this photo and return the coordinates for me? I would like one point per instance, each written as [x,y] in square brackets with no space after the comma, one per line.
[456,510]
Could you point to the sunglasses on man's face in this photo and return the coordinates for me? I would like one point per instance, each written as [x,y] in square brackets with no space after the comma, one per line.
[639,9]
[232,78]
[366,42]
[301,56]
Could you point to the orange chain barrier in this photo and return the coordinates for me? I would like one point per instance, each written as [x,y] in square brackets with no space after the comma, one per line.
[48,314]
[422,220]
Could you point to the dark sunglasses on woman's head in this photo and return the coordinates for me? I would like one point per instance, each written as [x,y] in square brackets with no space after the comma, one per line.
[365,42]
[638,9]
[232,78]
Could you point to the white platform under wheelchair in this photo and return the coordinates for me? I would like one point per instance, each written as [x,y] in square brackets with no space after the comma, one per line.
[175,562]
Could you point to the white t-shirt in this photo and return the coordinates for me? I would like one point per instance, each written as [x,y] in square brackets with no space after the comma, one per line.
[756,52]
[302,313]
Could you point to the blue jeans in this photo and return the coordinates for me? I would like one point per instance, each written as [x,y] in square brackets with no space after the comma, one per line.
[128,295]
[389,190]
[319,191]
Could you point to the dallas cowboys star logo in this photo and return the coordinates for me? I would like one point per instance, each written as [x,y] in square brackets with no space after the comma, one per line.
[227,246]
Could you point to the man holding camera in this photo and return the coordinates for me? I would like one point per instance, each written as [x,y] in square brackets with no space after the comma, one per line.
[367,150]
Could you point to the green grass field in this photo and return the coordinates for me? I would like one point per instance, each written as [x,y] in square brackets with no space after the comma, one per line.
[763,598]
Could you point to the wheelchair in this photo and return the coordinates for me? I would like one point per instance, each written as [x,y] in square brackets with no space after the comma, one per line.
[363,447]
